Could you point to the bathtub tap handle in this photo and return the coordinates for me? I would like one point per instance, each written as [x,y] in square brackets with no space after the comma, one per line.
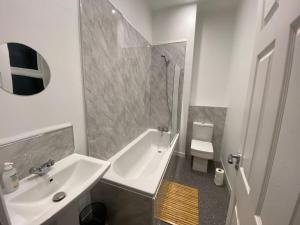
[162,130]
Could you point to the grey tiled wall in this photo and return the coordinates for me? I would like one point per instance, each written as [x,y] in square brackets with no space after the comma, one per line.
[35,150]
[116,66]
[215,115]
[175,52]
[121,90]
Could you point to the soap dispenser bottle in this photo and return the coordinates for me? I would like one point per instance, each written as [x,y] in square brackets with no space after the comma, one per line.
[9,178]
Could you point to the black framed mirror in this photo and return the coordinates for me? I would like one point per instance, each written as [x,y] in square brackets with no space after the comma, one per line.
[23,71]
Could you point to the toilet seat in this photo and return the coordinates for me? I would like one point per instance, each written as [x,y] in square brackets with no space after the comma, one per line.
[202,149]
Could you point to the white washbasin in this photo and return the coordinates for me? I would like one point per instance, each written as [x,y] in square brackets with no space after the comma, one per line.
[32,203]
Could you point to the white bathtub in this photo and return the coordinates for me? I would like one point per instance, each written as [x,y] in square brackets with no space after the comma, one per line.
[142,163]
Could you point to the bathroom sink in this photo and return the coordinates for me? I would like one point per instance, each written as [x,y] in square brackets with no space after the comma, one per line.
[33,202]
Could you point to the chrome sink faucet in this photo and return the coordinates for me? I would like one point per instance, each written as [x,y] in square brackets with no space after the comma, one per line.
[43,169]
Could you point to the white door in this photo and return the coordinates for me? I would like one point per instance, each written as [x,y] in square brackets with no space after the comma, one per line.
[268,180]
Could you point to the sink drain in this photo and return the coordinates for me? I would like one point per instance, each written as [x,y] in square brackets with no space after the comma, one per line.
[59,196]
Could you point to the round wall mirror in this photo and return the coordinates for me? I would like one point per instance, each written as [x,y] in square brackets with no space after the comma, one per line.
[23,71]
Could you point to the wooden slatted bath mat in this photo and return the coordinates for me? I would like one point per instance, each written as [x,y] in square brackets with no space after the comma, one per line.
[177,204]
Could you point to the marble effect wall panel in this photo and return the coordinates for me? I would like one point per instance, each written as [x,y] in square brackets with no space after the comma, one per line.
[36,150]
[124,81]
[175,52]
[116,67]
[215,115]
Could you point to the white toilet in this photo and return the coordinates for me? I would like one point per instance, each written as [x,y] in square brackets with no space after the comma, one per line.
[201,146]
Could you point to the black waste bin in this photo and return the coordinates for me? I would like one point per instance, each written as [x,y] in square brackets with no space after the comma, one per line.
[93,214]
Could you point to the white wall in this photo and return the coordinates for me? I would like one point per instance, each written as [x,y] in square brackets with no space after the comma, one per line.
[52,28]
[177,24]
[213,47]
[5,71]
[174,24]
[138,14]
[244,40]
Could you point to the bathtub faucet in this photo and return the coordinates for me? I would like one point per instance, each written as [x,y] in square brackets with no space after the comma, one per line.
[162,130]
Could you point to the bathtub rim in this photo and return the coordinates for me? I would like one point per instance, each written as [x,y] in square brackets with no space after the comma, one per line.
[151,194]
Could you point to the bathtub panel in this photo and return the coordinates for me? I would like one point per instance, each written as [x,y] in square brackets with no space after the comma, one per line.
[127,205]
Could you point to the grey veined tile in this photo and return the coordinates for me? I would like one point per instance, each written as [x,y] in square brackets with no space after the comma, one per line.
[123,79]
[116,65]
[162,73]
[36,150]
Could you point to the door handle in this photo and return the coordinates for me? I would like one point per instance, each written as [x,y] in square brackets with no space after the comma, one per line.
[235,159]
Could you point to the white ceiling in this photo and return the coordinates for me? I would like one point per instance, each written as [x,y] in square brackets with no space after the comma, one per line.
[160,4]
[205,4]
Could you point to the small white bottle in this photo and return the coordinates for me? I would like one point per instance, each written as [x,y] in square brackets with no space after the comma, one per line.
[9,178]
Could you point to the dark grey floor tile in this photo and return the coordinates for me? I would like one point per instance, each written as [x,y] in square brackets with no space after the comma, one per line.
[213,200]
